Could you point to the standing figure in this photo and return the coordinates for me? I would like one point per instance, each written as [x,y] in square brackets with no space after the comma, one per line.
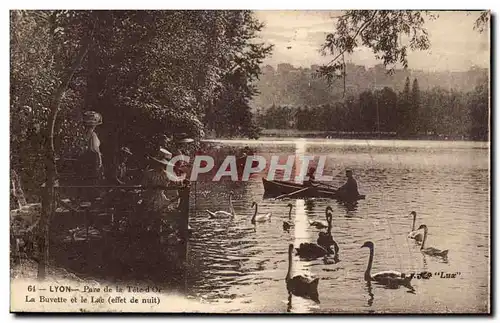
[121,177]
[91,168]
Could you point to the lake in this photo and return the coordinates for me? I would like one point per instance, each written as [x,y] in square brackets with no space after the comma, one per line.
[237,267]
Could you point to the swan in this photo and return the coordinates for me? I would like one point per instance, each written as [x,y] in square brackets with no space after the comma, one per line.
[415,234]
[308,250]
[224,214]
[322,224]
[300,285]
[261,217]
[431,251]
[326,240]
[288,224]
[390,277]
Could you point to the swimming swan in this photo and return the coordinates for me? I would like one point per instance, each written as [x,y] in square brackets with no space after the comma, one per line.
[415,234]
[326,240]
[223,214]
[322,224]
[309,251]
[288,224]
[389,277]
[261,217]
[300,285]
[431,251]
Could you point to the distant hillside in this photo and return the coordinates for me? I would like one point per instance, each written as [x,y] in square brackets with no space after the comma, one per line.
[288,85]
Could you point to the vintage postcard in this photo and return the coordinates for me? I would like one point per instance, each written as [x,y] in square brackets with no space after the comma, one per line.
[236,161]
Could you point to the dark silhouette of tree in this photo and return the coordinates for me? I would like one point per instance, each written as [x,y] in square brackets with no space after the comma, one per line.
[440,113]
[415,107]
[367,112]
[404,113]
[478,103]
[387,105]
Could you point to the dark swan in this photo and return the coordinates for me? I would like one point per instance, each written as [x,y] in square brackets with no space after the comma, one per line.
[325,239]
[288,224]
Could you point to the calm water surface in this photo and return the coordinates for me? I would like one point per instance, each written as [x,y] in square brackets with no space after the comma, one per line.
[238,267]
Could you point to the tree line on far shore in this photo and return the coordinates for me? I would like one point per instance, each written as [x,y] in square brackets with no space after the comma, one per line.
[408,113]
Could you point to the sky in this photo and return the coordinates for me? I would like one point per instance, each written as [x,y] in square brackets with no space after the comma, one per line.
[298,36]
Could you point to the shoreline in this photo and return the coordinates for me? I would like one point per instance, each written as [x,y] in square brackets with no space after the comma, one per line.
[281,134]
[318,139]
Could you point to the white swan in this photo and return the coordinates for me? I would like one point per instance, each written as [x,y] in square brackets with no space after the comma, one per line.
[322,224]
[223,214]
[261,217]
[390,278]
[300,285]
[415,234]
[431,251]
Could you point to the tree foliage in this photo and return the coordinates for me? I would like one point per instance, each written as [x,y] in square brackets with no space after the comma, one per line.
[148,72]
[390,34]
[382,31]
[410,113]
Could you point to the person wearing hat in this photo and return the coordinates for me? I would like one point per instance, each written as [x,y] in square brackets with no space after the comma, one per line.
[181,140]
[156,199]
[350,188]
[91,158]
[121,168]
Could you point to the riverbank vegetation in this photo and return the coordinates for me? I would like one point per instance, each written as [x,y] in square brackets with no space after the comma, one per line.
[410,113]
[147,72]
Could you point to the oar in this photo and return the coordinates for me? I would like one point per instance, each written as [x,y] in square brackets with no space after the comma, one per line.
[330,186]
[293,193]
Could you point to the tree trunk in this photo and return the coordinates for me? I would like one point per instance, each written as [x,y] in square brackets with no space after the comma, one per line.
[50,163]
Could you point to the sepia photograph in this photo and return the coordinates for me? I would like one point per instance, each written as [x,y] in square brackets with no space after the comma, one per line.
[250,161]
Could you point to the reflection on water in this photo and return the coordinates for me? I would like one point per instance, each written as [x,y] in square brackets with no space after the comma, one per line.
[236,265]
[369,290]
[349,207]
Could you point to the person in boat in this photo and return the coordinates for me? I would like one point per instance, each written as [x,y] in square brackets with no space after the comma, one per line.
[350,188]
[91,168]
[312,179]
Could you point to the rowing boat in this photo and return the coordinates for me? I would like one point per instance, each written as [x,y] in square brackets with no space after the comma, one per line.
[277,188]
